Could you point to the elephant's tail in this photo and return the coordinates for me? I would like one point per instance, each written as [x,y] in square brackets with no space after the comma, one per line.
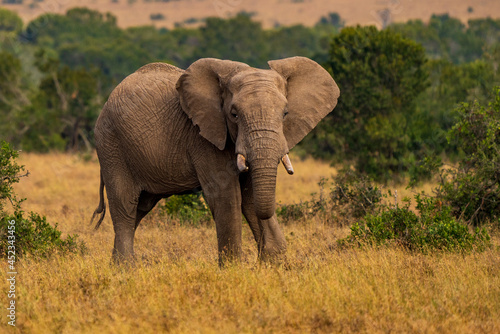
[101,209]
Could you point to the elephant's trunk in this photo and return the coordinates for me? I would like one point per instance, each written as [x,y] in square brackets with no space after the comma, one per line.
[264,191]
[263,158]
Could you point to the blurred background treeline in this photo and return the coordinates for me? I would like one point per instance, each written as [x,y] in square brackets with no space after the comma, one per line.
[400,86]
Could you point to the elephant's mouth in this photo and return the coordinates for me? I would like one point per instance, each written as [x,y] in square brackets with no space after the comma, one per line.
[242,164]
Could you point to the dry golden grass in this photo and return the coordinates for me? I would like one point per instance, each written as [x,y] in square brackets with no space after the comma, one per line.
[178,287]
[299,187]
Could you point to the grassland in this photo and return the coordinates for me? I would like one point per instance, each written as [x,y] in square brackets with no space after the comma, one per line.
[178,287]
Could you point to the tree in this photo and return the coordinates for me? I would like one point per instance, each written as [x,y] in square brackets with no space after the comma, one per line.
[53,30]
[293,41]
[63,112]
[487,30]
[115,58]
[239,39]
[13,95]
[450,84]
[448,38]
[380,74]
[331,19]
[420,32]
[10,22]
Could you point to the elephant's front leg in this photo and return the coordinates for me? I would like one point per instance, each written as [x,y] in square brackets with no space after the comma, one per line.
[267,233]
[222,192]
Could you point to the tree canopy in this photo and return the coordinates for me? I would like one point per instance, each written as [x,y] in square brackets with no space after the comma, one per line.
[399,86]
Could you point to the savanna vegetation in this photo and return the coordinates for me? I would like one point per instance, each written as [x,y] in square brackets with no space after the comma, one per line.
[366,253]
[400,86]
[178,287]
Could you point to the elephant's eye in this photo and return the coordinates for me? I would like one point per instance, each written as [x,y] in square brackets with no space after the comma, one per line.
[285,113]
[234,114]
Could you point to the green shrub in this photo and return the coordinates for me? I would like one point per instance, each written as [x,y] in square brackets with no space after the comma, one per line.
[295,212]
[292,212]
[432,228]
[189,209]
[9,174]
[29,235]
[352,196]
[35,236]
[472,188]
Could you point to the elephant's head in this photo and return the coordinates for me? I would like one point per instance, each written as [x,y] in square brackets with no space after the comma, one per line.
[265,112]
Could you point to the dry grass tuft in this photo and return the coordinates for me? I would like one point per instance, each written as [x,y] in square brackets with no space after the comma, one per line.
[178,287]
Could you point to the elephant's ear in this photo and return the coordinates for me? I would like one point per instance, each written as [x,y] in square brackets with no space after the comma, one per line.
[311,93]
[200,89]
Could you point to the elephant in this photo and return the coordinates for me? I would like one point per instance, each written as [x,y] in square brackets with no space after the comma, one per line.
[219,126]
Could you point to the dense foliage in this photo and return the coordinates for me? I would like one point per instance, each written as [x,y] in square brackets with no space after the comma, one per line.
[186,209]
[35,236]
[22,234]
[468,194]
[9,174]
[432,227]
[380,74]
[399,86]
[374,219]
[448,38]
[472,188]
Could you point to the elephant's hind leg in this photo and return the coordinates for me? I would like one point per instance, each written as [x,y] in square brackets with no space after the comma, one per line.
[123,198]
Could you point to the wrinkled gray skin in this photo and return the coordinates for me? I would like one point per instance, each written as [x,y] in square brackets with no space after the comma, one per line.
[166,131]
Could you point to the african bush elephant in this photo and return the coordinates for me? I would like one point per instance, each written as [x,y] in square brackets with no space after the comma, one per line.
[220,126]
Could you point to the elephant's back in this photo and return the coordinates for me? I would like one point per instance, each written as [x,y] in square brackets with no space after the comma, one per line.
[143,122]
[144,90]
[146,98]
[162,68]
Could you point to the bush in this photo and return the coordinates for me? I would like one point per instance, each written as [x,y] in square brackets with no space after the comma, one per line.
[288,213]
[292,212]
[9,174]
[352,196]
[189,209]
[32,234]
[472,189]
[35,236]
[433,228]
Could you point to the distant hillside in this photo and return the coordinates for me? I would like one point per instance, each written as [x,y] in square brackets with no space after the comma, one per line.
[168,13]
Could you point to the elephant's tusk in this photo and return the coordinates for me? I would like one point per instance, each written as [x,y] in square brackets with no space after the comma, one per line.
[241,162]
[288,165]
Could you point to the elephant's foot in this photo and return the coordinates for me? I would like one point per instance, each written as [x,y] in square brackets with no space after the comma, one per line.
[229,256]
[274,253]
[123,250]
[121,260]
